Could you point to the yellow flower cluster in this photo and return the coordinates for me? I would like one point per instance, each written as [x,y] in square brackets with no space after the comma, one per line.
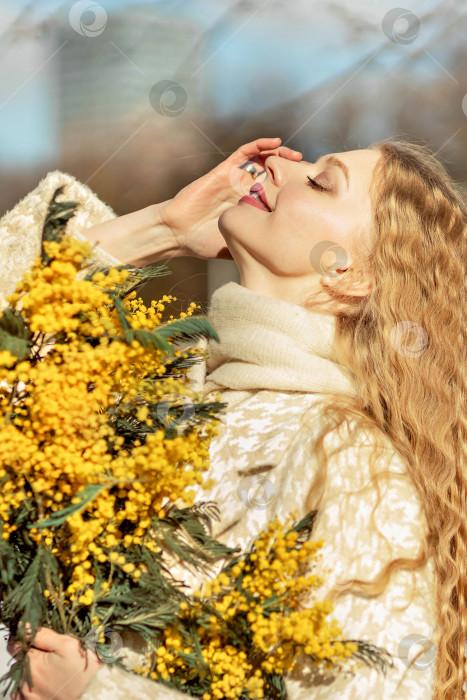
[261,592]
[46,290]
[59,412]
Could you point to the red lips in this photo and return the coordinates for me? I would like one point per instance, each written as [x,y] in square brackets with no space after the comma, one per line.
[252,200]
[258,187]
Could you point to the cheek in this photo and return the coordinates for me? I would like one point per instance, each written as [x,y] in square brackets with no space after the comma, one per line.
[303,231]
[306,220]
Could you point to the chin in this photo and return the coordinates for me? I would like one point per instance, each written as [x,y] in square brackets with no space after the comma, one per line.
[223,222]
[233,219]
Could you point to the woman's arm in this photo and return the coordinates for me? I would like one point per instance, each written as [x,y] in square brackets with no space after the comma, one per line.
[186,225]
[138,238]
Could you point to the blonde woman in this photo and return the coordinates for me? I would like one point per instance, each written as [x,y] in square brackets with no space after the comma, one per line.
[345,386]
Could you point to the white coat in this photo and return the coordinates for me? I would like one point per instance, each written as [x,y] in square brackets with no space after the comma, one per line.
[275,361]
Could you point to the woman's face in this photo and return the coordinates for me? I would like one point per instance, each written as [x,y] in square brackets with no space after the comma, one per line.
[282,252]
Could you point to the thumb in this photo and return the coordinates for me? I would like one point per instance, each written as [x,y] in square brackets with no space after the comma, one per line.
[48,640]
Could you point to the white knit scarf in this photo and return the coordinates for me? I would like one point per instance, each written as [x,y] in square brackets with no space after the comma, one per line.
[268,343]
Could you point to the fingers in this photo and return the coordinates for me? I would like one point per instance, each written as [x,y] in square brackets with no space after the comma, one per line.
[260,149]
[48,640]
[286,152]
[263,147]
[282,151]
[45,640]
[254,148]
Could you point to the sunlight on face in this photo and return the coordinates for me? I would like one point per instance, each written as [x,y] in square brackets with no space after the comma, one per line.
[274,250]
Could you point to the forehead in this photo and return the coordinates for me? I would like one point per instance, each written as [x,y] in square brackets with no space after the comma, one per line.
[360,165]
[360,162]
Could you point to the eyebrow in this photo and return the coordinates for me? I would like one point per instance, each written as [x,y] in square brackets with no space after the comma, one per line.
[333,160]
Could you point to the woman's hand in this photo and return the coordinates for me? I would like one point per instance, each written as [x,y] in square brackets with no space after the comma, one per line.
[60,668]
[193,213]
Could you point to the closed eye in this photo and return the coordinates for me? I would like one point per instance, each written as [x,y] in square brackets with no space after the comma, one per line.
[315,184]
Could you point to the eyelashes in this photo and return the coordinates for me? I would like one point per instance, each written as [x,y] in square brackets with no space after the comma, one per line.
[315,184]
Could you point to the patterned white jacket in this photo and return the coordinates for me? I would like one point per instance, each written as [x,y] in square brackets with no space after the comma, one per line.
[264,464]
[274,362]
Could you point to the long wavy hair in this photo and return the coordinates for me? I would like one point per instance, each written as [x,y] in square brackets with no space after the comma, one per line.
[413,394]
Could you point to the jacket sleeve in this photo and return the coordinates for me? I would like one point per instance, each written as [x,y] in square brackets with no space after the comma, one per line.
[353,549]
[21,227]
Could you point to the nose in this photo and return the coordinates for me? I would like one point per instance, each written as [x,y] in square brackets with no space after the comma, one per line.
[279,169]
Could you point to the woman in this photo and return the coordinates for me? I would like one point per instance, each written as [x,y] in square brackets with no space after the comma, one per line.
[331,405]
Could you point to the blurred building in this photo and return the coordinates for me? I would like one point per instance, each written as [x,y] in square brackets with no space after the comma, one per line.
[328,79]
[109,77]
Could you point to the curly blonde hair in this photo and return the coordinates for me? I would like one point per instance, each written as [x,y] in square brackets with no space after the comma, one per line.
[417,268]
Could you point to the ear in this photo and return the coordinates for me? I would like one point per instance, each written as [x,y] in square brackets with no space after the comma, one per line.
[353,283]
